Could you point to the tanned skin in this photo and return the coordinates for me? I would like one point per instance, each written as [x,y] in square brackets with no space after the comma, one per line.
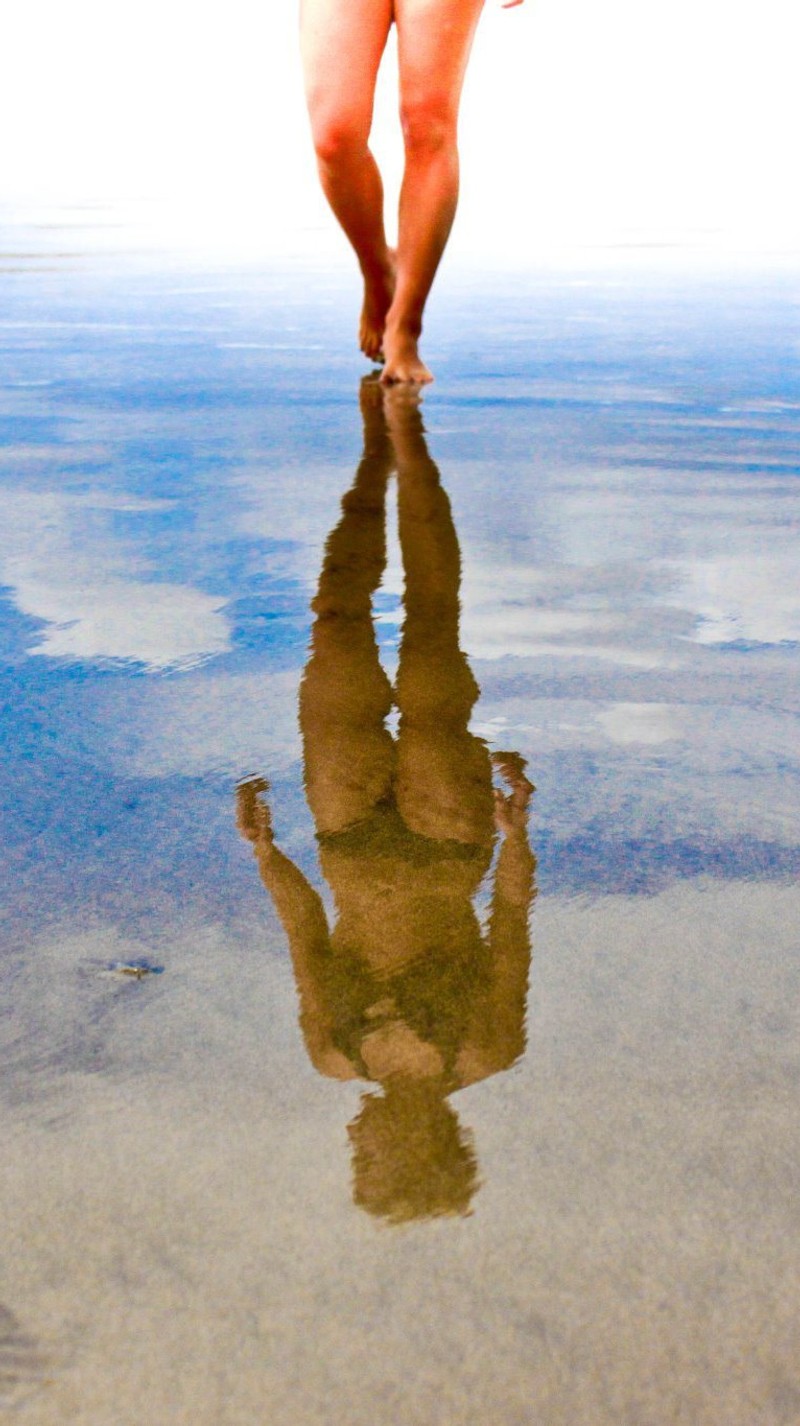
[342,42]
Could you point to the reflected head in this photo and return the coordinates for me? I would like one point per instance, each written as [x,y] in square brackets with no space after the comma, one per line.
[411,1159]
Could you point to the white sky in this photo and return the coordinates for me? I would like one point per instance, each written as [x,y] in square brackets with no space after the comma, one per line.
[582,120]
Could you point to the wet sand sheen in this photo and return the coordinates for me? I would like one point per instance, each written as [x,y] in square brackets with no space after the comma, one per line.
[189,1223]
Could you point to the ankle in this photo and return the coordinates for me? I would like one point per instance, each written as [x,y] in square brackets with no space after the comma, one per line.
[378,270]
[403,324]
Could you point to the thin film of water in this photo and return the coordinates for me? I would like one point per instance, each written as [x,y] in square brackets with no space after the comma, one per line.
[399,948]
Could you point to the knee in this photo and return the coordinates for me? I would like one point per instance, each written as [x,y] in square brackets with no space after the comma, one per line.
[429,125]
[337,133]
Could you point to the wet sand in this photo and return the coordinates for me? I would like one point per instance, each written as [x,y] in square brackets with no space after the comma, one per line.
[590,562]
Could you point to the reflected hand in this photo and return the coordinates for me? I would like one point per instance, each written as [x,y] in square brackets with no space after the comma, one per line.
[511,808]
[253,817]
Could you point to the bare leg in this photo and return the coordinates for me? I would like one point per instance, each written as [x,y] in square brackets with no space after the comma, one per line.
[434,42]
[342,42]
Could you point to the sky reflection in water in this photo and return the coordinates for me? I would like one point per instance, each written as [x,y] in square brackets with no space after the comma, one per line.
[620,461]
[626,504]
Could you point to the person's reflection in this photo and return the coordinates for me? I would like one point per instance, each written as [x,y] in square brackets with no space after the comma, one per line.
[407,990]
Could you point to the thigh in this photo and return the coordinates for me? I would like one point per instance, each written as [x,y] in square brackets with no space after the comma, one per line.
[341,44]
[434,42]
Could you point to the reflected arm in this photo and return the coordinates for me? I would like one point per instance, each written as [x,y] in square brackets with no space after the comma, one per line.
[510,943]
[303,918]
[497,1039]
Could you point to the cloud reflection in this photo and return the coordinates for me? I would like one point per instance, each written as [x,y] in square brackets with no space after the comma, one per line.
[66,566]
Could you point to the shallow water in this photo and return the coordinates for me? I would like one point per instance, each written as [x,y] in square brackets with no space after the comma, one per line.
[451,1105]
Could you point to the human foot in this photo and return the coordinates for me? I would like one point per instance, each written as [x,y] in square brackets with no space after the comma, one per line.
[378,294]
[402,361]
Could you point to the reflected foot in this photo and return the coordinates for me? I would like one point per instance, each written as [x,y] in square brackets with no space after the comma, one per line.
[402,403]
[378,294]
[378,449]
[403,362]
[370,400]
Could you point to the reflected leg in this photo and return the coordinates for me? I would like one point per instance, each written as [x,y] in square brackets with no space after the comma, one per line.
[345,695]
[444,780]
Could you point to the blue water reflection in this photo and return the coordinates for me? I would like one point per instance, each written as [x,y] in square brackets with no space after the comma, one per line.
[622,457]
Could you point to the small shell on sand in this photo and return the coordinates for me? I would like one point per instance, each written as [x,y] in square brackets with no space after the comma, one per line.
[137,969]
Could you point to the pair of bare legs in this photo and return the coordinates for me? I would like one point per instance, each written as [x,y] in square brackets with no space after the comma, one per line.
[342,42]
